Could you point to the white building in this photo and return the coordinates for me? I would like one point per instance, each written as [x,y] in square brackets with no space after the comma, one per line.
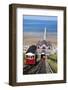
[44,46]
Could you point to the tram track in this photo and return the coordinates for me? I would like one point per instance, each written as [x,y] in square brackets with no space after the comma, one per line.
[38,68]
[28,68]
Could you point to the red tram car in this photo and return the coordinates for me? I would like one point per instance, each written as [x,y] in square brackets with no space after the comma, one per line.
[30,58]
[30,55]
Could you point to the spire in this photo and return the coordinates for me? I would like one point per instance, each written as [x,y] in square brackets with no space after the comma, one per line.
[44,36]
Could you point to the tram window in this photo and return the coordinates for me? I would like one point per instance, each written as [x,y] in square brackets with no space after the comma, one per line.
[27,56]
[43,48]
[32,57]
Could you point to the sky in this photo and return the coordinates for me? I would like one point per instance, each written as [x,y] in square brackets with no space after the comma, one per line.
[39,23]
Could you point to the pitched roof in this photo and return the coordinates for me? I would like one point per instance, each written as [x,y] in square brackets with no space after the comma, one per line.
[40,43]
